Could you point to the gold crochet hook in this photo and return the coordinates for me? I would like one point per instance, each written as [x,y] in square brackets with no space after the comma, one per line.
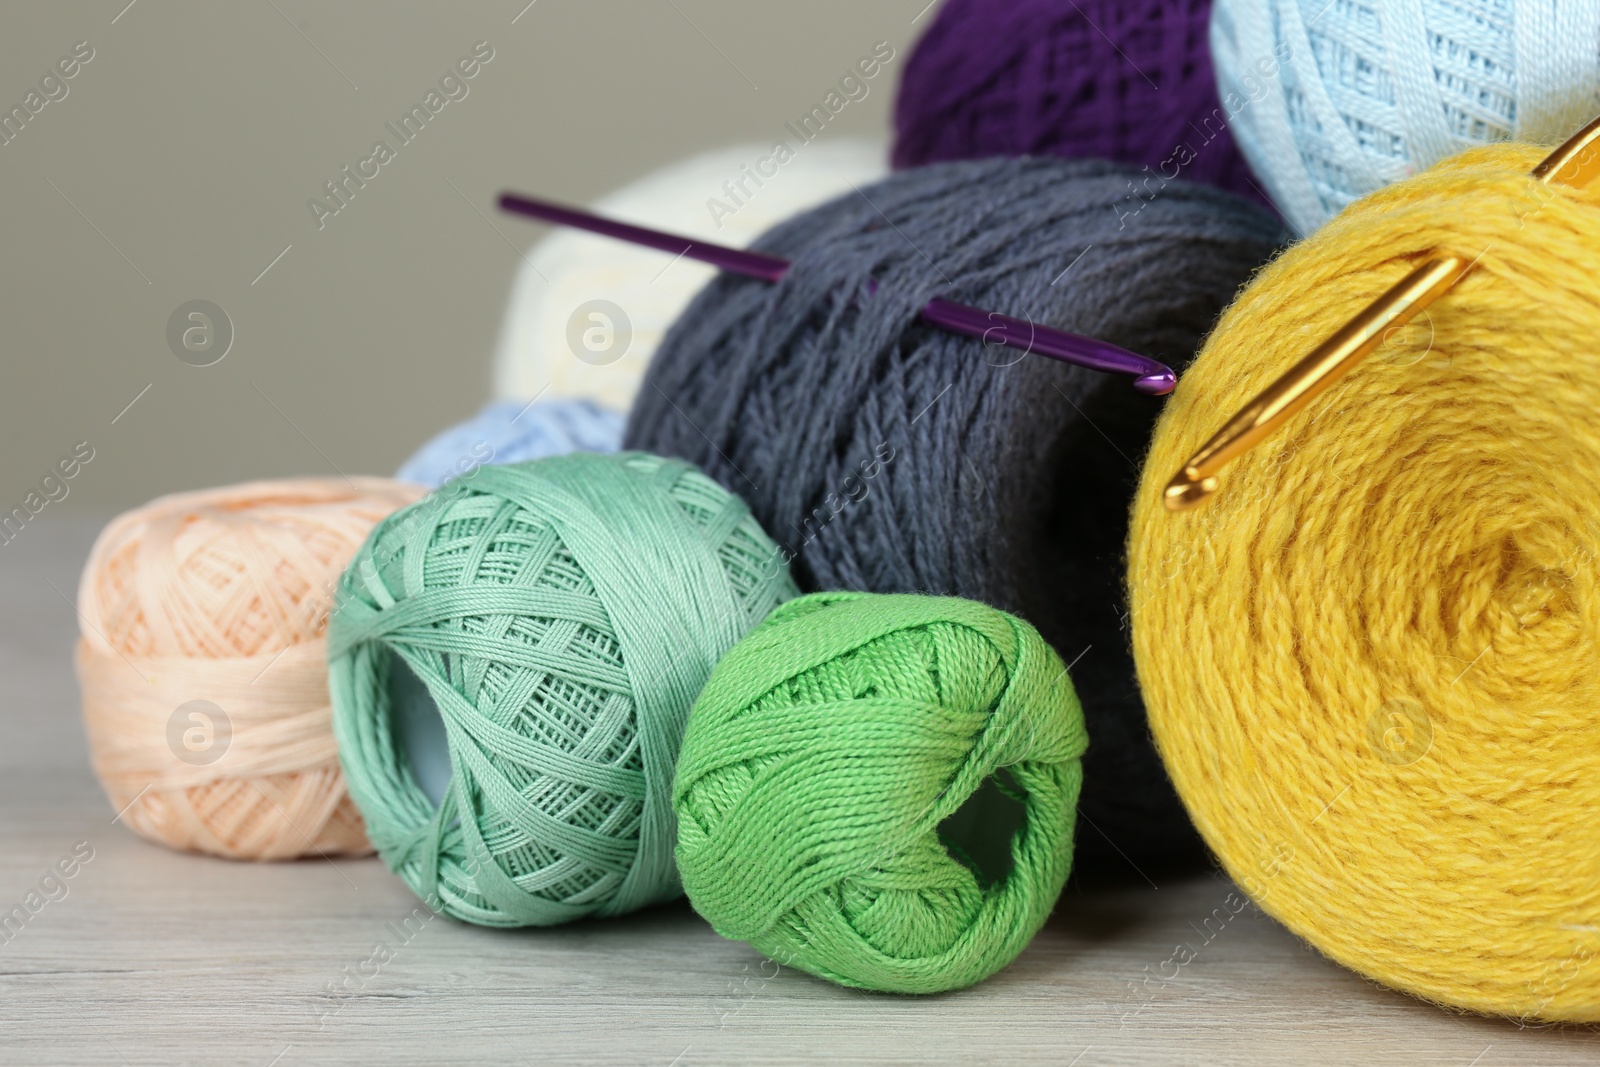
[1574,164]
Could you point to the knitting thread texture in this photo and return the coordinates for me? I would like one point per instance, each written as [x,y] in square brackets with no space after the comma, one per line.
[1372,662]
[1124,80]
[1370,91]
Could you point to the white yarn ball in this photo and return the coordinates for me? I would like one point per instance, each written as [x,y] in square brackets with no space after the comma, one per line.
[1366,92]
[570,268]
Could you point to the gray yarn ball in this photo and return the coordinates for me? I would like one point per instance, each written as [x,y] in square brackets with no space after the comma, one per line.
[891,456]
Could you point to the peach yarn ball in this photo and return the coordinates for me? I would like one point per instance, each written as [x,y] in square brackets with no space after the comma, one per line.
[218,600]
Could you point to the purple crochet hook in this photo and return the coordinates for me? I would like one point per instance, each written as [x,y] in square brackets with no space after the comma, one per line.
[991,327]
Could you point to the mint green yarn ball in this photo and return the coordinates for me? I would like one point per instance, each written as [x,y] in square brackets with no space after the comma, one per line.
[562,615]
[881,789]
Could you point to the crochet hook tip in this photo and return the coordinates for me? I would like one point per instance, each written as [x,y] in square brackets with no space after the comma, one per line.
[1186,492]
[1158,384]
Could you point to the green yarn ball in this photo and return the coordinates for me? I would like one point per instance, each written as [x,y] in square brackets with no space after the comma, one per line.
[562,614]
[832,787]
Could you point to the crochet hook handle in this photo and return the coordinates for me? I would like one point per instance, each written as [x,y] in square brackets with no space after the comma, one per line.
[991,327]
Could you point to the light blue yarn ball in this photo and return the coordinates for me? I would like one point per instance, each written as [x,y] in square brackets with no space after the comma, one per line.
[1332,101]
[508,432]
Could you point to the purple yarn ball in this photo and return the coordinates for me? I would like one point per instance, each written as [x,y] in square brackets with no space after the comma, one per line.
[1125,80]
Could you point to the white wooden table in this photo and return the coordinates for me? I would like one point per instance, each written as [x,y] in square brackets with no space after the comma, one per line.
[156,957]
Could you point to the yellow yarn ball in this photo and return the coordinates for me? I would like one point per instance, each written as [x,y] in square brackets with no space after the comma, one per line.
[1372,662]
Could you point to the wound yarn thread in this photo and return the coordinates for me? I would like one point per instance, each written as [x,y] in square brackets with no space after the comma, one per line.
[889,456]
[1367,93]
[203,670]
[1124,80]
[509,432]
[822,758]
[1371,661]
[563,614]
[557,341]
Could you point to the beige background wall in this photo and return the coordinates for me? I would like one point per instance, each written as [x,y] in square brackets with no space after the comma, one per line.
[179,164]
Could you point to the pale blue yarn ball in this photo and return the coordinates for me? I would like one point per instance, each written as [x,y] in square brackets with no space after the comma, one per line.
[508,432]
[1330,100]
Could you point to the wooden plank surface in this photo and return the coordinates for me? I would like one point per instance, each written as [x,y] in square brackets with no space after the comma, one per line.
[156,957]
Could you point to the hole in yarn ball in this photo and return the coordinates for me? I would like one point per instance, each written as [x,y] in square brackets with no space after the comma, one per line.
[979,834]
[420,732]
